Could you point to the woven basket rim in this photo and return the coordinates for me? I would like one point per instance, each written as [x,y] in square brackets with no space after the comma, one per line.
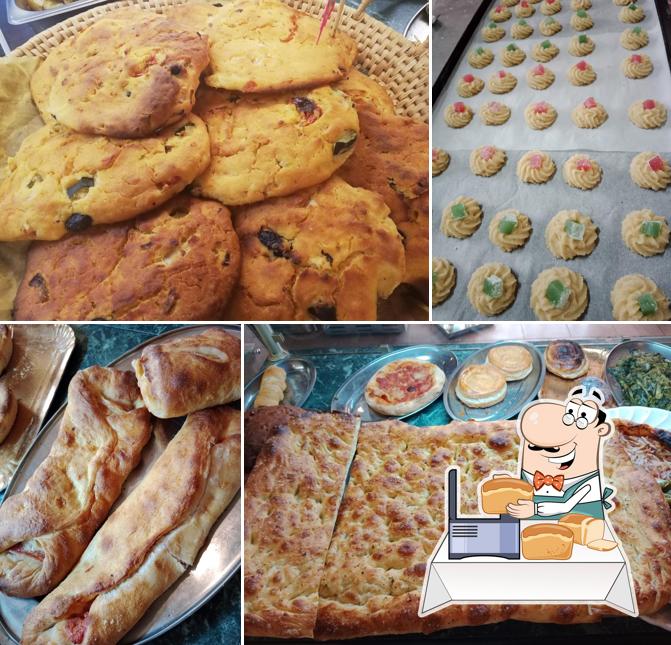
[416,53]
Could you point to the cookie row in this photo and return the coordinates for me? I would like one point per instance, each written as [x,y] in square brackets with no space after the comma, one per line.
[647,169]
[557,293]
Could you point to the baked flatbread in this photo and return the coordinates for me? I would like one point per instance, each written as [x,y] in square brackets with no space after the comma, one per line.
[291,502]
[46,527]
[150,540]
[647,447]
[403,386]
[190,373]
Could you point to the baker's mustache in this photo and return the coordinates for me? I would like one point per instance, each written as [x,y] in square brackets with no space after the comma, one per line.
[549,449]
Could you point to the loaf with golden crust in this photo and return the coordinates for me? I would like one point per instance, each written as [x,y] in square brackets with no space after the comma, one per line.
[149,541]
[392,516]
[189,373]
[291,502]
[179,262]
[45,528]
[498,493]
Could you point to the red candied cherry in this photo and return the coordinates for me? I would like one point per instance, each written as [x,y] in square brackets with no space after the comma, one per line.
[583,164]
[469,78]
[459,107]
[536,161]
[649,104]
[550,1]
[502,74]
[590,103]
[656,163]
[487,152]
[498,9]
[636,58]
[582,65]
[541,108]
[539,70]
[524,3]
[495,106]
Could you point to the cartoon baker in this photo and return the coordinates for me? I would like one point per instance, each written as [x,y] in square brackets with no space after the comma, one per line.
[560,456]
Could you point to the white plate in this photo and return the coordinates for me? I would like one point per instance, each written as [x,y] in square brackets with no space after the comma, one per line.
[653,417]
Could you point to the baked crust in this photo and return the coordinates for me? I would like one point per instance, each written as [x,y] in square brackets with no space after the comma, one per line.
[565,359]
[104,428]
[6,346]
[291,502]
[8,410]
[190,373]
[151,538]
[366,92]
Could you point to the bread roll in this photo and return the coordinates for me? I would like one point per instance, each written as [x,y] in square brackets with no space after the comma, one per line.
[8,410]
[585,528]
[498,493]
[273,385]
[547,542]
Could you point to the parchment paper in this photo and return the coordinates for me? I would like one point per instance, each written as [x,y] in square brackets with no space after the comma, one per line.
[611,88]
[607,205]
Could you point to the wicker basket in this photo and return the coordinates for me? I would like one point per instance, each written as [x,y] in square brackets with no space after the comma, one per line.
[399,64]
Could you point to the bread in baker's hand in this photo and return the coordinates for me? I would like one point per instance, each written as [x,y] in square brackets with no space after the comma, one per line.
[189,373]
[272,387]
[497,493]
[547,542]
[8,410]
[6,346]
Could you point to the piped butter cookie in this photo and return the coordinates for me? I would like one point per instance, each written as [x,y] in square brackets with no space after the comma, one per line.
[458,115]
[634,38]
[582,73]
[461,218]
[494,113]
[570,234]
[550,7]
[524,9]
[637,66]
[589,114]
[647,114]
[544,51]
[559,294]
[637,297]
[440,160]
[581,20]
[540,77]
[492,288]
[540,116]
[509,230]
[512,55]
[535,167]
[582,172]
[645,232]
[581,45]
[631,13]
[492,32]
[480,57]
[487,160]
[469,86]
[650,170]
[502,82]
[443,280]
[521,30]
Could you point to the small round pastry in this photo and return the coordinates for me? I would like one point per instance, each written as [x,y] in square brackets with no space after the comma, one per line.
[582,73]
[540,116]
[513,361]
[559,294]
[581,4]
[443,279]
[637,297]
[634,38]
[6,346]
[544,52]
[521,30]
[582,172]
[645,233]
[535,167]
[480,57]
[566,359]
[8,409]
[492,32]
[501,82]
[550,7]
[481,386]
[549,27]
[500,13]
[589,114]
[581,45]
[440,160]
[540,77]
[637,66]
[512,55]
[487,160]
[494,113]
[469,86]
[621,3]
[581,20]
[509,3]
[570,234]
[524,9]
[461,218]
[647,114]
[492,288]
[650,170]
[458,115]
[509,230]
[631,13]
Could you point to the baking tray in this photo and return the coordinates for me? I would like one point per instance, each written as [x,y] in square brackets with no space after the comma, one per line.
[301,377]
[218,561]
[620,352]
[418,28]
[16,15]
[518,394]
[40,355]
[350,396]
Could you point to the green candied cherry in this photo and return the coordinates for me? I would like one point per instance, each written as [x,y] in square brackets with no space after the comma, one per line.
[581,13]
[493,287]
[512,47]
[522,23]
[546,44]
[479,51]
[651,229]
[492,25]
[575,230]
[558,294]
[582,39]
[637,30]
[508,223]
[647,304]
[549,21]
[458,211]
[633,6]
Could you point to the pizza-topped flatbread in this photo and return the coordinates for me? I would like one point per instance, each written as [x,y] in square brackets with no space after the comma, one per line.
[403,386]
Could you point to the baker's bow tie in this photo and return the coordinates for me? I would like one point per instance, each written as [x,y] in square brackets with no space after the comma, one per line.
[541,480]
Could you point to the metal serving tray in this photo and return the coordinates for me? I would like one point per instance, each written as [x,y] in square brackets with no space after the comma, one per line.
[350,396]
[17,15]
[301,377]
[620,352]
[40,355]
[519,393]
[218,561]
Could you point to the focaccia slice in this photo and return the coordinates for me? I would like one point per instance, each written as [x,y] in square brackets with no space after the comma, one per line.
[189,373]
[46,527]
[392,517]
[150,539]
[291,502]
